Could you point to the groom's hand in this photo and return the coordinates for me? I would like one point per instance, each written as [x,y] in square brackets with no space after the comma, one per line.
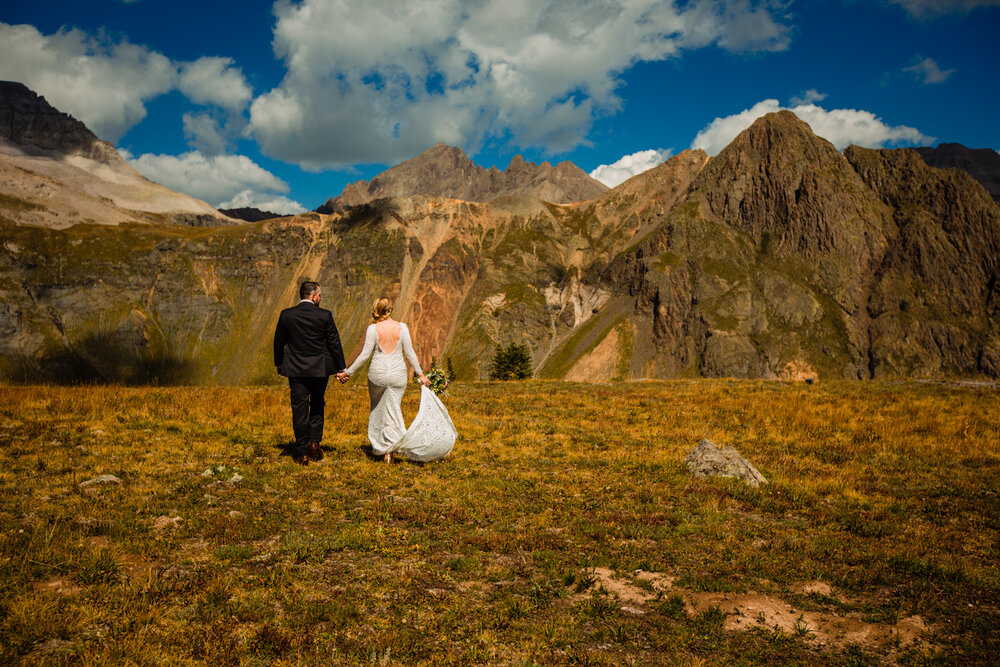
[343,377]
[278,369]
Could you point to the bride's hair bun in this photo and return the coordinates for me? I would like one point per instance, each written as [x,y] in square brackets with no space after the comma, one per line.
[381,309]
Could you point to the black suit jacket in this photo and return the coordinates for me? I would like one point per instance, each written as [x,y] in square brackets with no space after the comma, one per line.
[306,342]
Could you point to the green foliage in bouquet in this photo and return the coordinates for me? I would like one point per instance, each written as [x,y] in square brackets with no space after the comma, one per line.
[511,363]
[439,381]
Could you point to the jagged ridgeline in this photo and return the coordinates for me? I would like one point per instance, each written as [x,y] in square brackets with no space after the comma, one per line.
[779,257]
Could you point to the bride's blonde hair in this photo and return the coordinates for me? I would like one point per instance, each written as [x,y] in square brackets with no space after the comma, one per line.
[381,309]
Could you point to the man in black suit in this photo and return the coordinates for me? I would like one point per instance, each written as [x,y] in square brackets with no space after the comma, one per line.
[307,351]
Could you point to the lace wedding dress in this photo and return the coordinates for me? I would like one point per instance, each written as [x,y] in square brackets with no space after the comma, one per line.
[432,433]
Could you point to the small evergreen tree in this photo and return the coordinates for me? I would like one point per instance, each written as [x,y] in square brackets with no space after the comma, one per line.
[449,370]
[511,363]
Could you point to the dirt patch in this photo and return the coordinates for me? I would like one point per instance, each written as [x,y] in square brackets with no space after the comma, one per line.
[58,585]
[598,365]
[164,522]
[811,588]
[751,610]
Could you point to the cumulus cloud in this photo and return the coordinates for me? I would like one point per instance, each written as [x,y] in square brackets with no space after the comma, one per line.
[928,71]
[218,179]
[811,96]
[628,166]
[841,127]
[102,83]
[105,84]
[378,80]
[215,81]
[926,9]
[265,202]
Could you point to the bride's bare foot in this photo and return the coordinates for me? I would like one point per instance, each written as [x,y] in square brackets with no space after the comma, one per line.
[388,458]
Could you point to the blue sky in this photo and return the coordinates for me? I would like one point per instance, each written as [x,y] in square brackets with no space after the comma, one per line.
[280,104]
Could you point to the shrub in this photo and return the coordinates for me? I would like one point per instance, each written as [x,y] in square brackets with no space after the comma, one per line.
[511,363]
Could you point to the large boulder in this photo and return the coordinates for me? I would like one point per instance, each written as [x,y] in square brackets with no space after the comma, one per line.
[710,460]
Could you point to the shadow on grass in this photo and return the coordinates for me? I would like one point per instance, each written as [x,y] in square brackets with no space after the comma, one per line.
[104,358]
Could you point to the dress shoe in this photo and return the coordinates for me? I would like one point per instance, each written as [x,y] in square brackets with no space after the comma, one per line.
[302,460]
[315,451]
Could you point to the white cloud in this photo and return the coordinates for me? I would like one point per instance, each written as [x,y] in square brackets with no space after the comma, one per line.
[102,83]
[811,96]
[265,202]
[929,71]
[379,80]
[216,179]
[215,81]
[105,84]
[628,166]
[925,9]
[841,127]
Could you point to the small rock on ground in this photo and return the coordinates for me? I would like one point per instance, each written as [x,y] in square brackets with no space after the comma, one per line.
[710,460]
[101,479]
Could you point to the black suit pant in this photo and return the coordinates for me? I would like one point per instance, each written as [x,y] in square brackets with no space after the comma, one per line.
[308,403]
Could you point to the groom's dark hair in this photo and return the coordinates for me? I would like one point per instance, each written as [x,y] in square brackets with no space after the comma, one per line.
[307,289]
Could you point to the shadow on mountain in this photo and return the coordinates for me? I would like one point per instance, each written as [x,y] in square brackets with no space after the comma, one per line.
[105,359]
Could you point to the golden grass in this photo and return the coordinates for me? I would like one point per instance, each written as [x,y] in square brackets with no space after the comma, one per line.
[885,491]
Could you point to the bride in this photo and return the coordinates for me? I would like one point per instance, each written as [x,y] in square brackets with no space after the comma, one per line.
[432,434]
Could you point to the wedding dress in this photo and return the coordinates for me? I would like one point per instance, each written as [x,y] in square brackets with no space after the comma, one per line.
[432,433]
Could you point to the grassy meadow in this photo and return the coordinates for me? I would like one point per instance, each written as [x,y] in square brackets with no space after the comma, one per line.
[563,529]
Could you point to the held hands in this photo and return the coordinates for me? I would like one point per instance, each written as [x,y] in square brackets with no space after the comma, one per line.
[343,377]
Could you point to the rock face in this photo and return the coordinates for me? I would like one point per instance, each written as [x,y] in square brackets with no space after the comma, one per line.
[26,119]
[982,163]
[54,172]
[778,258]
[710,460]
[445,171]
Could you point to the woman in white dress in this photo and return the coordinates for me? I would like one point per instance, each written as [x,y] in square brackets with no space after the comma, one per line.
[386,343]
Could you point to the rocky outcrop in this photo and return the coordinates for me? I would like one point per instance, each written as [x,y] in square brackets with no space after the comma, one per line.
[983,164]
[27,120]
[446,171]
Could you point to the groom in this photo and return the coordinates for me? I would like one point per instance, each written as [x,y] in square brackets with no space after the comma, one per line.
[307,351]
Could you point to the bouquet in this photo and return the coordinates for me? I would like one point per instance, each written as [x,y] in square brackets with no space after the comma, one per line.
[439,381]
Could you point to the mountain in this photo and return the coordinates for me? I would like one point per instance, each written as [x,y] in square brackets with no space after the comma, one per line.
[445,171]
[982,163]
[249,214]
[780,257]
[54,172]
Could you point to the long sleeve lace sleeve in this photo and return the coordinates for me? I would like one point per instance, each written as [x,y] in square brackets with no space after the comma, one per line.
[366,352]
[404,339]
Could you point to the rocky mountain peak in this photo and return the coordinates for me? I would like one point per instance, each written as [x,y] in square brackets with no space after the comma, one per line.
[30,122]
[446,171]
[786,187]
